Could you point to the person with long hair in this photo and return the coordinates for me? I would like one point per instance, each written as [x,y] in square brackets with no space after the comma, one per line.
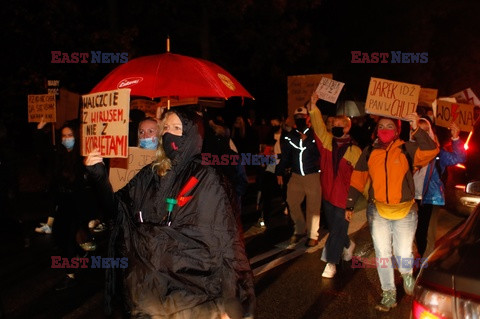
[175,222]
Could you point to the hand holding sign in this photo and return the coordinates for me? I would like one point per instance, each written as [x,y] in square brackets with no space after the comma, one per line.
[454,130]
[413,119]
[93,158]
[313,101]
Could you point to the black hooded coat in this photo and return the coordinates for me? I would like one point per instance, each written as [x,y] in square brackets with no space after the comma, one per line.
[197,266]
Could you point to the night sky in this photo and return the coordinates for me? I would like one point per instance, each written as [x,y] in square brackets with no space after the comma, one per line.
[258,42]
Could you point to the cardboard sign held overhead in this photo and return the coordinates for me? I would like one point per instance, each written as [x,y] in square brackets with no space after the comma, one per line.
[105,118]
[42,106]
[467,96]
[122,170]
[329,90]
[461,114]
[300,89]
[427,96]
[391,99]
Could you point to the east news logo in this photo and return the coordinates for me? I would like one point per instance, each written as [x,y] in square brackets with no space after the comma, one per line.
[392,57]
[89,57]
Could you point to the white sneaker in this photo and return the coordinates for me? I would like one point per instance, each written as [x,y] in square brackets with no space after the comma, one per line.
[45,229]
[348,252]
[330,271]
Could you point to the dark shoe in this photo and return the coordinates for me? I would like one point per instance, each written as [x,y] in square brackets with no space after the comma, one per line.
[66,283]
[389,301]
[296,238]
[311,243]
[408,284]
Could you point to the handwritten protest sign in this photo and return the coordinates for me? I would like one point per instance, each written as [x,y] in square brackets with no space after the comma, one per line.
[149,107]
[122,170]
[461,114]
[300,89]
[41,106]
[105,117]
[390,98]
[467,96]
[427,96]
[329,89]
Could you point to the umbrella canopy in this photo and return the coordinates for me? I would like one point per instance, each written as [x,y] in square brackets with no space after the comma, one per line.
[172,75]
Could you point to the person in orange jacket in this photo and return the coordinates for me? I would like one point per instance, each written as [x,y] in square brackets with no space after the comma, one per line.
[392,212]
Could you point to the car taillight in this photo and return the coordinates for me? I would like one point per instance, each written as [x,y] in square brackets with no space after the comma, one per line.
[467,308]
[430,303]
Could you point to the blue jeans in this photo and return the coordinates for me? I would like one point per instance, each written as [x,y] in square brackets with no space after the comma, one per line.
[338,237]
[387,233]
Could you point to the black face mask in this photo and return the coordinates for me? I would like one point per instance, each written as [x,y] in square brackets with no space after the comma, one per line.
[337,131]
[276,128]
[301,124]
[171,144]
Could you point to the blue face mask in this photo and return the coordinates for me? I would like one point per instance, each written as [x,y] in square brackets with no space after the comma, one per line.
[68,142]
[150,143]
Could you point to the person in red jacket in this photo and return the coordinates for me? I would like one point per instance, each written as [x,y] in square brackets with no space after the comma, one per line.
[338,156]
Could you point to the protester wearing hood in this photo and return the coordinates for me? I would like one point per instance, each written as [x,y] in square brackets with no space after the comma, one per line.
[429,188]
[338,156]
[300,153]
[392,212]
[175,223]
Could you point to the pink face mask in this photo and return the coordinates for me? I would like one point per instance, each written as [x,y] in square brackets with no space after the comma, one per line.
[386,135]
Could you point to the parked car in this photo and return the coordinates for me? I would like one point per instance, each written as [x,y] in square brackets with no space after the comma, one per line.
[448,285]
[462,188]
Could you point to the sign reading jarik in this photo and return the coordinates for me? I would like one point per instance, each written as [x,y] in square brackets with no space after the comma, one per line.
[329,89]
[105,117]
[461,114]
[391,99]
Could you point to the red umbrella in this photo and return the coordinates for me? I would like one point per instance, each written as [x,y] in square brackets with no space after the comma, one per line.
[172,75]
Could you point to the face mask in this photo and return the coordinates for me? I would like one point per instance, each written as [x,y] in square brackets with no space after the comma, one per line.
[301,124]
[170,144]
[432,118]
[150,143]
[68,142]
[386,136]
[276,128]
[337,131]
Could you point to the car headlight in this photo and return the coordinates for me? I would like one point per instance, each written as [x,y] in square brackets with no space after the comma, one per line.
[429,303]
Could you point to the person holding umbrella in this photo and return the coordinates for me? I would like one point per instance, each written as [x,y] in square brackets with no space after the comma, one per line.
[175,222]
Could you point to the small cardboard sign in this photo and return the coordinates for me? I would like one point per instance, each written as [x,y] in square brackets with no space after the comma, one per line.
[461,114]
[427,96]
[105,118]
[42,106]
[122,170]
[391,99]
[329,89]
[300,89]
[467,96]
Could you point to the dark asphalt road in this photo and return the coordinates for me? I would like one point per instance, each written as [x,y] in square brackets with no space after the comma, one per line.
[293,289]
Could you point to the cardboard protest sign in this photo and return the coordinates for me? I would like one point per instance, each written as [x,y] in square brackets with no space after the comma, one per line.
[329,89]
[105,117]
[427,96]
[467,96]
[390,98]
[149,107]
[42,106]
[300,89]
[67,107]
[461,114]
[122,170]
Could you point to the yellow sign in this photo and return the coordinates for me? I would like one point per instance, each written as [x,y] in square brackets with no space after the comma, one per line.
[42,106]
[391,99]
[105,118]
[461,114]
